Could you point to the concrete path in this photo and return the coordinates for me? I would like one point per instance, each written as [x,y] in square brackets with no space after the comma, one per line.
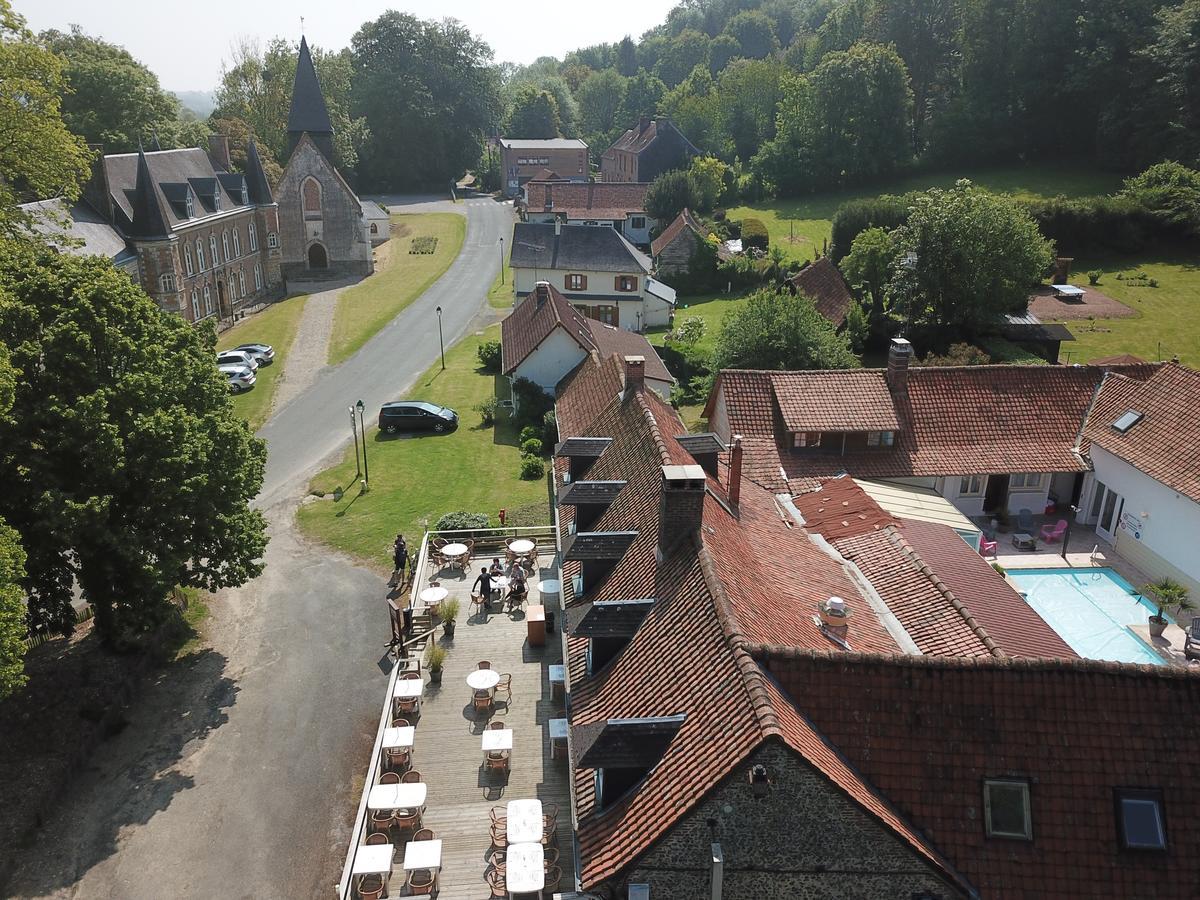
[238,776]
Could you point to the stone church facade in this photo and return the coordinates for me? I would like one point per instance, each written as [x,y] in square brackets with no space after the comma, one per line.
[323,230]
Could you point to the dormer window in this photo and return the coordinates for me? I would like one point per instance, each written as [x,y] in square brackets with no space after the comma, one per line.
[623,751]
[190,205]
[802,440]
[1140,824]
[609,626]
[217,201]
[881,438]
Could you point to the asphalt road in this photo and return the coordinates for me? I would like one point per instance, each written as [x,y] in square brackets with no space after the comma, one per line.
[239,776]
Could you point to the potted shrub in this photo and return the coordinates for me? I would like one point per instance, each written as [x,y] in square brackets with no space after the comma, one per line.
[1163,593]
[435,659]
[448,613]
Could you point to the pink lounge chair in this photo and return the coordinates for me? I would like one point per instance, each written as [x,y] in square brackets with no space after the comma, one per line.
[1052,534]
[987,548]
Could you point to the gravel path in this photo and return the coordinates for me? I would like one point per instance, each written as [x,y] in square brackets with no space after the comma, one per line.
[311,345]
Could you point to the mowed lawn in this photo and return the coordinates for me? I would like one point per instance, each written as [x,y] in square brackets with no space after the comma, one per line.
[276,325]
[801,226]
[1168,316]
[414,480]
[710,308]
[400,277]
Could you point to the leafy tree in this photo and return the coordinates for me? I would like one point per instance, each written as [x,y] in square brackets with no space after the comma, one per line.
[39,157]
[1171,192]
[695,109]
[723,50]
[429,95]
[1175,57]
[126,470]
[627,62]
[12,569]
[600,99]
[778,330]
[112,99]
[749,92]
[643,93]
[965,258]
[868,269]
[708,177]
[684,53]
[534,115]
[669,194]
[595,57]
[858,326]
[755,33]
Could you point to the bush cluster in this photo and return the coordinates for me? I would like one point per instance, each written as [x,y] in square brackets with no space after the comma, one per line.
[461,520]
[487,411]
[488,354]
[853,218]
[423,245]
[754,234]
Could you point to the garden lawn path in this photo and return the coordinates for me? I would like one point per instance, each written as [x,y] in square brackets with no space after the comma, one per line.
[310,348]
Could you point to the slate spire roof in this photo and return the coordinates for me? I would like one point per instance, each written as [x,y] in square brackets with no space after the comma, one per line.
[309,113]
[256,178]
[148,218]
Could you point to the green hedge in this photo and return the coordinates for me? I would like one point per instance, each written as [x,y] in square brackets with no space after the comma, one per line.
[855,217]
[755,234]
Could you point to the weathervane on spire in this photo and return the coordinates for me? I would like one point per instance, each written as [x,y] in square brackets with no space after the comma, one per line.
[302,26]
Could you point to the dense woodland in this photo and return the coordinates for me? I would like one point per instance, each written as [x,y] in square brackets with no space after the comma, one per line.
[794,95]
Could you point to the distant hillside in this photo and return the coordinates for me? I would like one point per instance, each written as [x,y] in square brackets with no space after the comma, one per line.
[201,103]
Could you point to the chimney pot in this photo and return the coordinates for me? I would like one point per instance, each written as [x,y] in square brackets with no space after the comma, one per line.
[557,226]
[541,292]
[899,356]
[734,488]
[835,616]
[635,372]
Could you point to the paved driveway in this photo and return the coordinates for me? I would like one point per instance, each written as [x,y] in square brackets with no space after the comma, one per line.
[238,777]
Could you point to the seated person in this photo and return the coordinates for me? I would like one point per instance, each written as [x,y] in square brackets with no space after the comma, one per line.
[518,587]
[496,568]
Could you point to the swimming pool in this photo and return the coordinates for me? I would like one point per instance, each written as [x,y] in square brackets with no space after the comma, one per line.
[1090,608]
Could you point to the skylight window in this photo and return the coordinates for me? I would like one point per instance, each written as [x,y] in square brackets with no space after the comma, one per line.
[1128,419]
[1140,820]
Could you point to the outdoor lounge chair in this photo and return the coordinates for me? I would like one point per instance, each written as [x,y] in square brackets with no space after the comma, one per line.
[1191,644]
[1025,521]
[988,548]
[1052,534]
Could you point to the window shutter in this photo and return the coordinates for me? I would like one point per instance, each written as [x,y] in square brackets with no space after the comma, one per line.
[617,283]
[583,282]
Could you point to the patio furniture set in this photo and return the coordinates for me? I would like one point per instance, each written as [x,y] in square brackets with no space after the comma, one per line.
[485,683]
[524,859]
[1026,536]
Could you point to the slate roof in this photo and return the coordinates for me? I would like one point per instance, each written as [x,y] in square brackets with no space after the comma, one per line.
[163,167]
[308,111]
[147,217]
[823,283]
[926,731]
[591,200]
[578,248]
[548,144]
[56,219]
[1165,443]
[256,176]
[638,139]
[531,322]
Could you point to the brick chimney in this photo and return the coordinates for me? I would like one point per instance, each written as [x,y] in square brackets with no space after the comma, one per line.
[643,124]
[541,293]
[734,488]
[681,507]
[899,356]
[218,149]
[635,373]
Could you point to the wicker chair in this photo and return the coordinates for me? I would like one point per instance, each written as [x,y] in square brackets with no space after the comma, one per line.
[496,761]
[498,860]
[408,820]
[553,878]
[398,758]
[382,819]
[411,676]
[406,706]
[497,726]
[400,723]
[499,834]
[551,857]
[498,814]
[423,834]
[412,776]
[504,685]
[482,701]
[377,837]
[370,887]
[497,885]
[484,664]
[550,811]
[420,881]
[389,778]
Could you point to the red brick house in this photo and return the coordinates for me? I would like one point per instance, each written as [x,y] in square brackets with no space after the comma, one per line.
[644,152]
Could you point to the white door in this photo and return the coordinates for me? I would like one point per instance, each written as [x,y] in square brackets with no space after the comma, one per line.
[1111,506]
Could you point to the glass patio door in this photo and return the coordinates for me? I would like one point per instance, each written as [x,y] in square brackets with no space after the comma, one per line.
[1110,514]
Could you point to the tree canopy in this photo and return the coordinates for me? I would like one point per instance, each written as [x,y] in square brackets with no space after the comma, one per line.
[126,470]
[669,194]
[778,330]
[12,570]
[534,115]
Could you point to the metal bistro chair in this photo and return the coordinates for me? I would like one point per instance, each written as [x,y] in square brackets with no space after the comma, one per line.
[482,701]
[504,686]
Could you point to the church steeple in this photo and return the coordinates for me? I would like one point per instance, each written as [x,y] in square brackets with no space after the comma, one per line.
[309,113]
[149,221]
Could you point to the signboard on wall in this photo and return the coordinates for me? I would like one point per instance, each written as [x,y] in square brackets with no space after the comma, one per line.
[1132,524]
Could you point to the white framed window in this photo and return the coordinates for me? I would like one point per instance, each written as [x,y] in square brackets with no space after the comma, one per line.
[225,245]
[200,254]
[242,281]
[208,307]
[212,246]
[272,240]
[166,282]
[1006,809]
[237,242]
[195,306]
[257,277]
[637,222]
[971,485]
[187,260]
[189,204]
[1025,481]
[217,200]
[1140,823]
[802,439]
[253,233]
[881,438]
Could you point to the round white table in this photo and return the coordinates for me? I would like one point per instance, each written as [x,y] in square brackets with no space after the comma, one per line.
[549,588]
[520,546]
[483,679]
[432,596]
[454,549]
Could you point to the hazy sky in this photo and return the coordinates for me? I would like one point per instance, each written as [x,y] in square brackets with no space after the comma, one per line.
[185,43]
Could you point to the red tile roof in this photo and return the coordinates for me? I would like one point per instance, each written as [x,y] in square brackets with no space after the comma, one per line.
[824,284]
[585,392]
[926,731]
[531,322]
[685,219]
[621,342]
[588,200]
[844,400]
[1120,359]
[1165,443]
[839,508]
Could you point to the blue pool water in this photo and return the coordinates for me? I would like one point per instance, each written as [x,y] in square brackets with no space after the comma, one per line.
[1090,608]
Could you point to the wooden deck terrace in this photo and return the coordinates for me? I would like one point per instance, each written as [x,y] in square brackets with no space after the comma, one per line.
[446,748]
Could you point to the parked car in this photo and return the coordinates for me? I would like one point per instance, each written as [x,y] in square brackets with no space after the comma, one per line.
[237,358]
[416,415]
[263,354]
[241,378]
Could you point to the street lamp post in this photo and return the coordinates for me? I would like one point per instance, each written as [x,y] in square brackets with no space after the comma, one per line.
[502,260]
[363,428]
[441,343]
[354,434]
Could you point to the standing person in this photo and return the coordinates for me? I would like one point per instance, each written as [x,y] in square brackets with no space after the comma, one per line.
[484,583]
[399,558]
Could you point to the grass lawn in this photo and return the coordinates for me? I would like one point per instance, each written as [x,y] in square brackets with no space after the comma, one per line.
[276,326]
[500,295]
[800,226]
[1168,320]
[400,277]
[712,308]
[415,480]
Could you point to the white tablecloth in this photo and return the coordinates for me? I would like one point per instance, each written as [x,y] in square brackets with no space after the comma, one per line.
[399,796]
[454,549]
[521,546]
[423,855]
[373,859]
[524,823]
[434,595]
[409,687]
[525,867]
[497,739]
[483,679]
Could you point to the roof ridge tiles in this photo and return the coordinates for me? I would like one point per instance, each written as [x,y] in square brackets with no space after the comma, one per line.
[656,434]
[923,567]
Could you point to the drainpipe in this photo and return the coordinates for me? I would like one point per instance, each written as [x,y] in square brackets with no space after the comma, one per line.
[718,866]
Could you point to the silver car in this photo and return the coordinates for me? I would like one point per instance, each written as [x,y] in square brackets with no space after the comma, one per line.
[237,358]
[241,378]
[263,354]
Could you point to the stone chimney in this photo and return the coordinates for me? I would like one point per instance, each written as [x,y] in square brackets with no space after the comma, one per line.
[899,356]
[218,149]
[681,508]
[541,293]
[635,374]
[643,124]
[734,488]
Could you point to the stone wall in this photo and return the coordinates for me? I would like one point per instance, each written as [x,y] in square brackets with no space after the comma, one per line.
[677,256]
[805,839]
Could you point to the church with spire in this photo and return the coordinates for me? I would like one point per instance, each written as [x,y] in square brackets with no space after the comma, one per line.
[322,226]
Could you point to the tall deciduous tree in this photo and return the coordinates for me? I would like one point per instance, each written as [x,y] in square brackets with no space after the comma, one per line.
[773,330]
[868,269]
[755,33]
[600,99]
[669,193]
[627,61]
[534,115]
[643,93]
[125,468]
[748,92]
[964,259]
[39,157]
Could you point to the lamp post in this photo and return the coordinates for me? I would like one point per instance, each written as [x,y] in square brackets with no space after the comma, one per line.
[502,260]
[441,343]
[363,428]
[354,434]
